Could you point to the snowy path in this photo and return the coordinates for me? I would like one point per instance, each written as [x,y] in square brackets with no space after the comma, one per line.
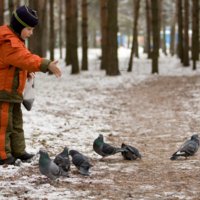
[154,113]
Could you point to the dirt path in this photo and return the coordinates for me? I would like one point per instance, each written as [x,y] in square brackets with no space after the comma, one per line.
[156,117]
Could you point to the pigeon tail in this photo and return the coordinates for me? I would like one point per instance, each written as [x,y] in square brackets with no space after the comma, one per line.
[174,157]
[62,173]
[84,168]
[86,164]
[121,150]
[84,171]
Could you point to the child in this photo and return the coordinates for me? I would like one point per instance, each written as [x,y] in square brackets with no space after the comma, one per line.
[16,63]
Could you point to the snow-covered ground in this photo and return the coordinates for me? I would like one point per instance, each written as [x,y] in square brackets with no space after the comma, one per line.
[71,111]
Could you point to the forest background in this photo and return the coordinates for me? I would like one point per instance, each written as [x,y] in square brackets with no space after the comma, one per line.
[170,25]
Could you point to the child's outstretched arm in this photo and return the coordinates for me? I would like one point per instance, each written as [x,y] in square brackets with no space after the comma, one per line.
[53,67]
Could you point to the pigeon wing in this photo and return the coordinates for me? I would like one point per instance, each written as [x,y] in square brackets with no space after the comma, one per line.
[108,149]
[189,149]
[54,169]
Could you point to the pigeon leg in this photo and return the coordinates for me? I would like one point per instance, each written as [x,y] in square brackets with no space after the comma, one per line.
[102,158]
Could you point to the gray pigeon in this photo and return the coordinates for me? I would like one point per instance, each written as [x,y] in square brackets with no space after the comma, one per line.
[62,160]
[104,149]
[49,168]
[81,162]
[132,153]
[189,148]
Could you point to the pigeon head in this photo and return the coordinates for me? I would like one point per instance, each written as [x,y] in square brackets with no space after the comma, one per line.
[100,136]
[43,152]
[195,136]
[73,152]
[44,156]
[99,140]
[65,151]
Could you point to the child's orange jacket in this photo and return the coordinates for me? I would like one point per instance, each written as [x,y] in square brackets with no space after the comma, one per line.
[15,61]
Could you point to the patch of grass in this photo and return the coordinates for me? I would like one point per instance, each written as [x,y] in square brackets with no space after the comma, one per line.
[36,135]
[105,130]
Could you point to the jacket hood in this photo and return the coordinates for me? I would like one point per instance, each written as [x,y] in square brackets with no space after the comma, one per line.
[7,33]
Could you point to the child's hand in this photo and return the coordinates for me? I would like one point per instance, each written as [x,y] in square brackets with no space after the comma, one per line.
[31,74]
[53,67]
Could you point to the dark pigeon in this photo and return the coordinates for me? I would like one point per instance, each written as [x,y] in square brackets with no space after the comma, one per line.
[104,149]
[62,160]
[131,154]
[81,162]
[189,148]
[49,168]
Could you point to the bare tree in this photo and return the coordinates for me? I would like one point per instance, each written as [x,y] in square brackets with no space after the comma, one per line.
[156,35]
[195,32]
[68,30]
[186,37]
[103,33]
[180,30]
[39,31]
[148,28]
[137,7]
[84,36]
[172,35]
[162,27]
[1,12]
[60,28]
[112,46]
[52,37]
[74,38]
[17,3]
[10,7]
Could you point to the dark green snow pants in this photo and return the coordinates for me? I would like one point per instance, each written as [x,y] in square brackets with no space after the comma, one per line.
[12,142]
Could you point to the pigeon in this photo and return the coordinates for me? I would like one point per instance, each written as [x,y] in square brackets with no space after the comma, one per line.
[104,149]
[132,153]
[81,162]
[62,160]
[49,168]
[189,148]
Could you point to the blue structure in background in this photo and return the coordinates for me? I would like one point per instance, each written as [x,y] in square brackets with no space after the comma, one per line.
[123,39]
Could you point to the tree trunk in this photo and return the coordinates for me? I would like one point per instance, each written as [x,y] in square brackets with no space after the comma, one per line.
[68,31]
[186,37]
[17,3]
[52,38]
[1,12]
[84,36]
[94,44]
[160,23]
[39,35]
[129,40]
[148,22]
[11,7]
[112,46]
[195,32]
[74,38]
[136,47]
[103,33]
[60,28]
[164,41]
[156,35]
[180,30]
[137,7]
[172,35]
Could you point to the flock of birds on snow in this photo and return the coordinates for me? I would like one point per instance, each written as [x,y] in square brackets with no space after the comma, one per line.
[61,164]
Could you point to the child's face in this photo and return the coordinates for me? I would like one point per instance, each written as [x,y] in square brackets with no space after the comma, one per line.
[26,32]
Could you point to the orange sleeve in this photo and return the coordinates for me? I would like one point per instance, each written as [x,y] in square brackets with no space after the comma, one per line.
[21,57]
